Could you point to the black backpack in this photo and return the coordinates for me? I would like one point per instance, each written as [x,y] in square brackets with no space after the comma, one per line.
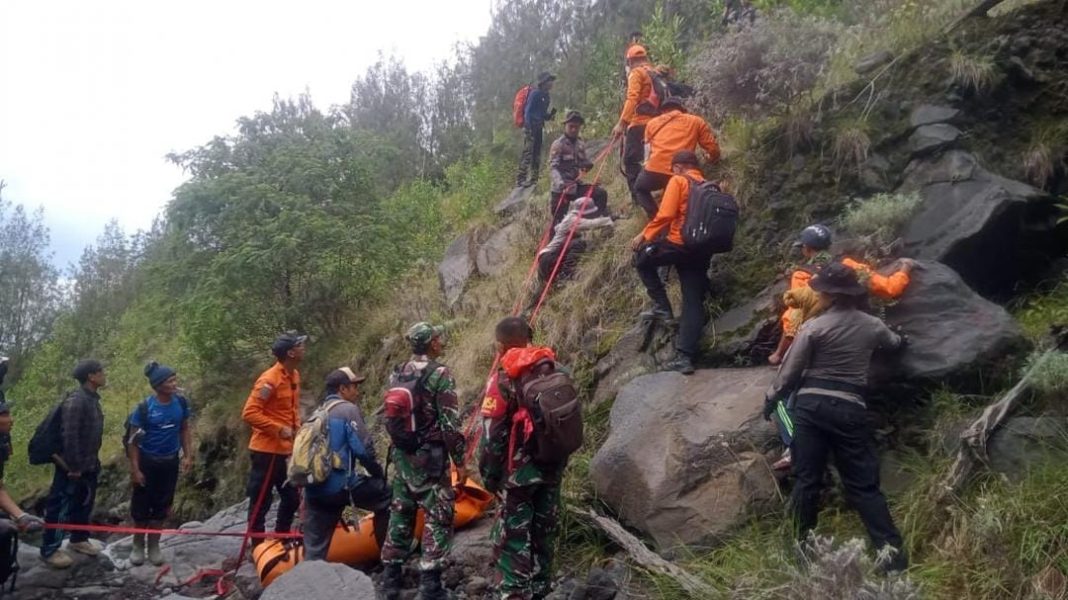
[142,410]
[404,405]
[48,437]
[552,400]
[9,554]
[650,106]
[711,218]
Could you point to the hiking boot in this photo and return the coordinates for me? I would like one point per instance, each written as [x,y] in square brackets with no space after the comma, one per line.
[392,578]
[430,587]
[59,560]
[891,560]
[680,363]
[87,548]
[154,555]
[657,314]
[137,555]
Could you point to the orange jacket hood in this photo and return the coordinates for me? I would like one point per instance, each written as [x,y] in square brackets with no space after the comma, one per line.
[517,360]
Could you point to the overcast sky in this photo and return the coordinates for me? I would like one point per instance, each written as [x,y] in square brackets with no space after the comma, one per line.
[94,94]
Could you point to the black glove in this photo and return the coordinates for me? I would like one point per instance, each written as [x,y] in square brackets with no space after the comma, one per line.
[375,470]
[769,407]
[552,114]
[901,334]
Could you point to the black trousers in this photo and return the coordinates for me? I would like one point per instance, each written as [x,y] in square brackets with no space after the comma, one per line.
[153,501]
[633,155]
[289,498]
[692,268]
[822,425]
[321,515]
[530,160]
[559,203]
[645,185]
[69,501]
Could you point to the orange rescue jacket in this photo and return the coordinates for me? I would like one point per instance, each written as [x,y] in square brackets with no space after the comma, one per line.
[639,87]
[272,405]
[674,131]
[672,211]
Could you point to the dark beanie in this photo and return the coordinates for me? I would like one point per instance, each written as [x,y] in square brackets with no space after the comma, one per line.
[158,373]
[85,368]
[685,157]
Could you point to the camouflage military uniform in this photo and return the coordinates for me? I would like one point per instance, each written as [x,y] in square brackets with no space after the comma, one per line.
[422,479]
[526,525]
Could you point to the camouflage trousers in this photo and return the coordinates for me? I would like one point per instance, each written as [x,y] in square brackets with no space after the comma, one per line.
[437,503]
[524,535]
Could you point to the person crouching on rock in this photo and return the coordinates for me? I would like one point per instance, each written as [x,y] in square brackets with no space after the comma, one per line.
[827,366]
[160,444]
[350,441]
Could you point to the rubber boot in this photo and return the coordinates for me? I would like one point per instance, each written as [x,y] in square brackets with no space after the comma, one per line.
[137,555]
[392,578]
[430,587]
[154,555]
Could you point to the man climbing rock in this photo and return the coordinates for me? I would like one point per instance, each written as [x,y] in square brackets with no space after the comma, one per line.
[272,410]
[77,466]
[652,249]
[827,367]
[637,111]
[351,442]
[160,444]
[527,522]
[535,113]
[421,472]
[567,163]
[674,130]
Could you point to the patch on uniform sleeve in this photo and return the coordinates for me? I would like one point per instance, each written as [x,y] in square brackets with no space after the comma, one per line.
[265,391]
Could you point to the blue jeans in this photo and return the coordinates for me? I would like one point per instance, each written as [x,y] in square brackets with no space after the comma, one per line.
[69,501]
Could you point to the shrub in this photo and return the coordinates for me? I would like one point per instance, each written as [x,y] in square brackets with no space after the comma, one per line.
[759,70]
[1050,376]
[880,217]
[851,144]
[971,72]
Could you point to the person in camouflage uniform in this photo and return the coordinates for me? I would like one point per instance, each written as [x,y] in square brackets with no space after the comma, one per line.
[422,478]
[527,521]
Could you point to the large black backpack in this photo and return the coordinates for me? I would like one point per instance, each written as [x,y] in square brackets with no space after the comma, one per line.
[48,437]
[711,218]
[552,400]
[658,92]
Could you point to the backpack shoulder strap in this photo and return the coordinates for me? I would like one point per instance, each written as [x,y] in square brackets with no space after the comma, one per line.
[661,128]
[142,413]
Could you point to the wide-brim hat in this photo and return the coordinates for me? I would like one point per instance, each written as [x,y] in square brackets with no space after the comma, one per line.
[836,278]
[574,116]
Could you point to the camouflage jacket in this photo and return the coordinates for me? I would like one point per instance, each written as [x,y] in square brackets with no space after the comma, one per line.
[567,160]
[499,467]
[429,464]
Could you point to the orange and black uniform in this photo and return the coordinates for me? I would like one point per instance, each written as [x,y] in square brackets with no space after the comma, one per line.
[663,237]
[886,287]
[639,88]
[665,135]
[272,406]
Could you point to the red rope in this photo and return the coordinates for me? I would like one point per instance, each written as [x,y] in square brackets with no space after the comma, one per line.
[143,530]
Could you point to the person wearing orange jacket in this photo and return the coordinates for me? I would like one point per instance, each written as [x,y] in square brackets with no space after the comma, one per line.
[674,130]
[272,410]
[637,111]
[660,244]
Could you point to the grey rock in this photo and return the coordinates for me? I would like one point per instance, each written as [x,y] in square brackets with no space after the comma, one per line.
[636,353]
[749,331]
[515,201]
[493,254]
[472,549]
[247,580]
[929,114]
[322,581]
[1025,443]
[456,268]
[928,139]
[950,328]
[682,461]
[874,173]
[477,586]
[873,61]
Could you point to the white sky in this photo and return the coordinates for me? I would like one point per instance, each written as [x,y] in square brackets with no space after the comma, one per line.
[93,94]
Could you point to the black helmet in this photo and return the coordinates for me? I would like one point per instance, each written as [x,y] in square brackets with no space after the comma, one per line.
[817,237]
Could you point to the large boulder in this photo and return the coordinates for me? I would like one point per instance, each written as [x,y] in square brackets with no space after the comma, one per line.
[456,268]
[515,201]
[928,139]
[493,254]
[1024,443]
[322,581]
[990,229]
[683,459]
[750,330]
[929,114]
[950,328]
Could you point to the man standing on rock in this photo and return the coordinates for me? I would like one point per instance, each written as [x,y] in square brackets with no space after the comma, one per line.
[567,163]
[672,131]
[535,113]
[160,444]
[422,477]
[527,523]
[77,466]
[350,441]
[272,410]
[827,366]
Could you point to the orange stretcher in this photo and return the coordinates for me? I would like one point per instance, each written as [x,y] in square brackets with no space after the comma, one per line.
[356,545]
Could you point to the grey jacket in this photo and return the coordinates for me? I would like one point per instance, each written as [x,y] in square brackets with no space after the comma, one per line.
[833,348]
[567,159]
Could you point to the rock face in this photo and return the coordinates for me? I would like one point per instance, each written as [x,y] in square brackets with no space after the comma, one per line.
[931,138]
[456,268]
[493,254]
[982,225]
[515,201]
[750,330]
[928,114]
[949,326]
[682,462]
[636,353]
[1025,442]
[323,581]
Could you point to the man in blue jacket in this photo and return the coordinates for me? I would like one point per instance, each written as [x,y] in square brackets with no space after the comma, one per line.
[535,113]
[352,442]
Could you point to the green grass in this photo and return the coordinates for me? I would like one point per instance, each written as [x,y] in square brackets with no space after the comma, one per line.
[1042,310]
[881,216]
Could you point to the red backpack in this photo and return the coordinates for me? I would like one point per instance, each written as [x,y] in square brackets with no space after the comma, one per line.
[519,105]
[407,418]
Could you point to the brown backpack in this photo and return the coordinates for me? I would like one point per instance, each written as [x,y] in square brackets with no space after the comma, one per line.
[551,399]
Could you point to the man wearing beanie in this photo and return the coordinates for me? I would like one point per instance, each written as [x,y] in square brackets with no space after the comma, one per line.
[74,483]
[272,410]
[159,442]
